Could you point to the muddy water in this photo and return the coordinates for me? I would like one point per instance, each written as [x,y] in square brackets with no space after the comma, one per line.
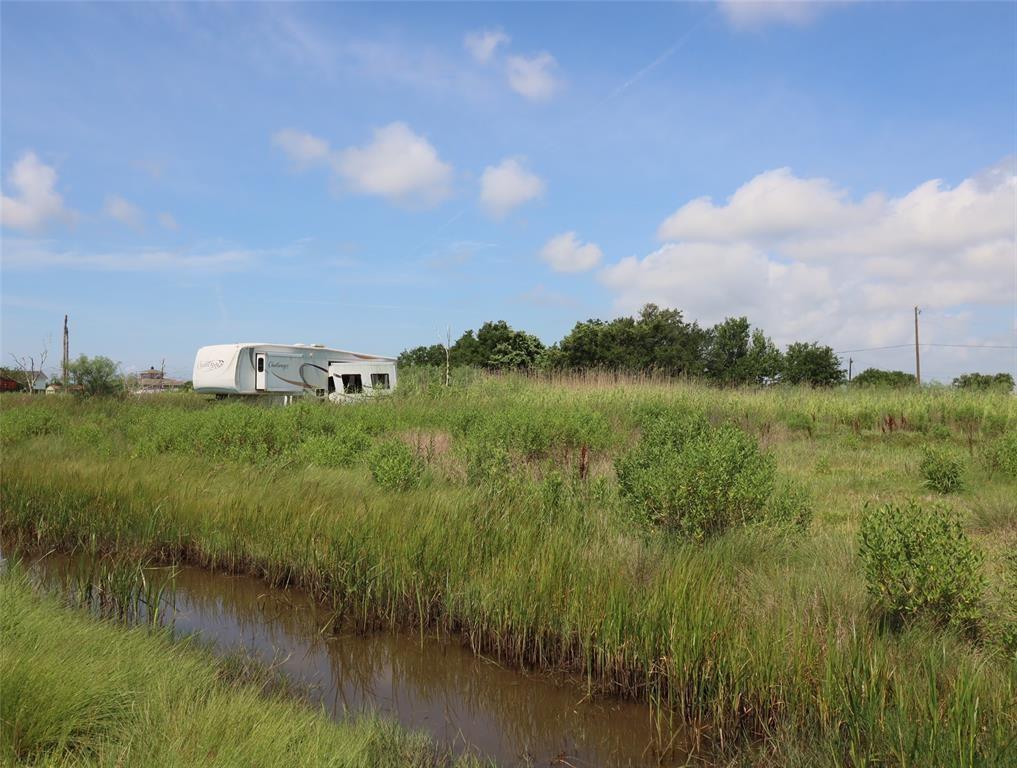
[463,701]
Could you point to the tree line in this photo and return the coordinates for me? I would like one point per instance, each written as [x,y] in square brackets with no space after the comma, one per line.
[657,339]
[661,340]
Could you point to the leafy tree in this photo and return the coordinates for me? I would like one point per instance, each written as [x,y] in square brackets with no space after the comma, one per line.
[737,355]
[984,381]
[432,355]
[812,364]
[657,339]
[96,376]
[765,360]
[521,350]
[874,377]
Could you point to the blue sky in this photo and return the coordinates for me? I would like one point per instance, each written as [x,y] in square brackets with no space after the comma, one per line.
[365,176]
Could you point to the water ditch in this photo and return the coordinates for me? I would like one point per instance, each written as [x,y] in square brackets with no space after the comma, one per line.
[426,683]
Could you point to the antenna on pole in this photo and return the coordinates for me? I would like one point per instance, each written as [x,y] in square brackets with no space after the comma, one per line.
[918,355]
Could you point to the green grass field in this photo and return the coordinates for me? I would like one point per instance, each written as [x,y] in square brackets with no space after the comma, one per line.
[492,511]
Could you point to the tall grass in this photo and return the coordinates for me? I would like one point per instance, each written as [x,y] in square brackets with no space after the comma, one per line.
[81,692]
[751,634]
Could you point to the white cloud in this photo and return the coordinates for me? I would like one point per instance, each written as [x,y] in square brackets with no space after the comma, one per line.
[397,164]
[533,77]
[41,254]
[301,147]
[805,260]
[35,202]
[168,221]
[124,211]
[508,185]
[483,43]
[564,253]
[773,204]
[745,14]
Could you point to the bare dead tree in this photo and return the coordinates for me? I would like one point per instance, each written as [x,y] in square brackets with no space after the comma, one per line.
[28,368]
[447,346]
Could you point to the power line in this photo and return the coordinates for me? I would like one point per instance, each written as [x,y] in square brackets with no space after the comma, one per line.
[974,346]
[928,344]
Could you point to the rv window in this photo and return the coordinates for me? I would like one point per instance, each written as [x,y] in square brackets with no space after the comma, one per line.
[261,365]
[352,383]
[379,381]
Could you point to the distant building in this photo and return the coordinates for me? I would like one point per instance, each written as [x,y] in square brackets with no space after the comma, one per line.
[17,381]
[155,380]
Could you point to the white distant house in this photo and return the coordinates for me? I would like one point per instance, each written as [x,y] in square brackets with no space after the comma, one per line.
[40,381]
[258,369]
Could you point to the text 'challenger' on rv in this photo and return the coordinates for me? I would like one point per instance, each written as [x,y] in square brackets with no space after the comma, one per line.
[288,370]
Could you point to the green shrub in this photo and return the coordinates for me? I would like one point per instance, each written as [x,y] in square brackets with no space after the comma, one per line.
[394,466]
[942,470]
[919,563]
[1001,456]
[696,480]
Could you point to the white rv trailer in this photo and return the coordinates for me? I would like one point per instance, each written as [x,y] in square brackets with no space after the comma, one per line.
[291,370]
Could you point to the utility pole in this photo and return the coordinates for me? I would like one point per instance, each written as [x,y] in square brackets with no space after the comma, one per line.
[67,354]
[918,355]
[850,363]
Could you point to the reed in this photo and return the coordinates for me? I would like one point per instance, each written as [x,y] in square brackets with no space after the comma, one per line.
[77,691]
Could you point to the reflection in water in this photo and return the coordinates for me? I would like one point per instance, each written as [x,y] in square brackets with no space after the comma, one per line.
[422,682]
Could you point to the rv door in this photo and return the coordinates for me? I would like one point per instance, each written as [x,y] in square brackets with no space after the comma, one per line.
[259,371]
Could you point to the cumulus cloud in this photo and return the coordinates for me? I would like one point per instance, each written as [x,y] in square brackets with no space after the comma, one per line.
[35,201]
[533,77]
[564,253]
[772,205]
[397,164]
[804,259]
[124,211]
[507,186]
[744,14]
[483,43]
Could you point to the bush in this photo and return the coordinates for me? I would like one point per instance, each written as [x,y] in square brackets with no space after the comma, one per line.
[942,470]
[696,480]
[96,376]
[1001,456]
[919,563]
[394,466]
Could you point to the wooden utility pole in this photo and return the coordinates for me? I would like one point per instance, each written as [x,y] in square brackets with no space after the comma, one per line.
[850,363]
[67,354]
[918,355]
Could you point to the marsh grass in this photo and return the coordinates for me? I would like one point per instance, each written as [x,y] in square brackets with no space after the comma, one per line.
[512,546]
[77,691]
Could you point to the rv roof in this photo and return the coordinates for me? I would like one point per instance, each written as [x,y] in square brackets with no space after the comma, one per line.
[308,346]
